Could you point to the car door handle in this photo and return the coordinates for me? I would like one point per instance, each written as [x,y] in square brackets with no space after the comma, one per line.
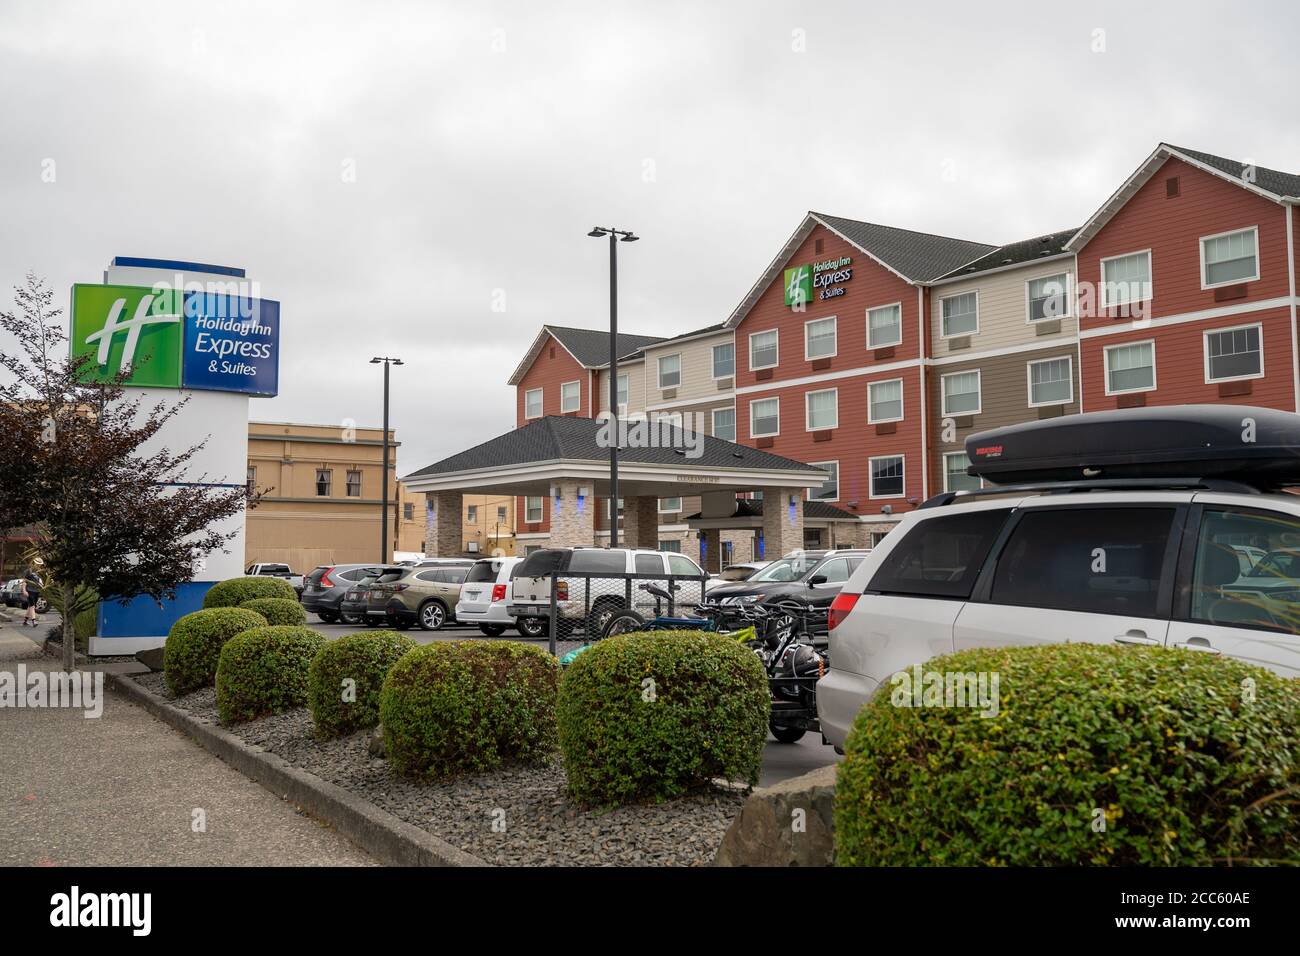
[1198,644]
[1135,636]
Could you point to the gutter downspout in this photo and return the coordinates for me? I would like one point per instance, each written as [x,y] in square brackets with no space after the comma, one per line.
[1290,269]
[923,355]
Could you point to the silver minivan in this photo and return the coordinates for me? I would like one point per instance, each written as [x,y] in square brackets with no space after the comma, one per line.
[485,596]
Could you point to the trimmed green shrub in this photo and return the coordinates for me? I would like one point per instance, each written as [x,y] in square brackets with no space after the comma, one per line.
[340,709]
[1190,759]
[465,706]
[651,716]
[278,610]
[194,645]
[264,671]
[235,591]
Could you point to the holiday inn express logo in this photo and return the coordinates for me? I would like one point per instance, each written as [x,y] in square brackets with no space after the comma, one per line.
[798,285]
[128,327]
[826,278]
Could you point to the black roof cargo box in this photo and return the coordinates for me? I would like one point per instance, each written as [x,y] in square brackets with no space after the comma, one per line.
[1257,446]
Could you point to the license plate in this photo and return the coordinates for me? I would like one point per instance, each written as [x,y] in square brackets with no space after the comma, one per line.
[473,595]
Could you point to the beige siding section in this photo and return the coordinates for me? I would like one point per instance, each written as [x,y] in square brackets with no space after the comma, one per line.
[1003,309]
[635,372]
[697,382]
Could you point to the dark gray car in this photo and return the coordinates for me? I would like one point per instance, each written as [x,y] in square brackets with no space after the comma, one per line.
[324,587]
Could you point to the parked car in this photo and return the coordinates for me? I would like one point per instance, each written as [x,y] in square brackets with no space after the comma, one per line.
[11,591]
[485,595]
[355,606]
[325,587]
[808,577]
[422,596]
[277,571]
[733,573]
[1136,554]
[445,562]
[590,600]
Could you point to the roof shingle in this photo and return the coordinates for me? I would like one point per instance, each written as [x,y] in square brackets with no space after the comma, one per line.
[919,256]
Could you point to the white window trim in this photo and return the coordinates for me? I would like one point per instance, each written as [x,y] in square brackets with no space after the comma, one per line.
[541,402]
[671,511]
[1029,381]
[622,406]
[817,464]
[1106,367]
[866,317]
[713,365]
[902,400]
[835,324]
[946,456]
[1205,349]
[1151,271]
[759,368]
[1218,285]
[541,510]
[871,480]
[958,295]
[807,425]
[771,398]
[943,394]
[1069,297]
[563,385]
[659,371]
[713,422]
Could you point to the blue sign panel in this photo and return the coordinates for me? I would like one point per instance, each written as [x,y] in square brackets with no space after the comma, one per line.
[232,344]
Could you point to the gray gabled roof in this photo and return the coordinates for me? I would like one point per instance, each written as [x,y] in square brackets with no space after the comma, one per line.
[570,438]
[917,256]
[1270,180]
[591,346]
[1017,253]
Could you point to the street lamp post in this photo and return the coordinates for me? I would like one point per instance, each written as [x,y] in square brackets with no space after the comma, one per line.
[383,520]
[615,236]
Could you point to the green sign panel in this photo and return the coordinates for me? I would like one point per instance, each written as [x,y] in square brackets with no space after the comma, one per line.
[798,285]
[129,327]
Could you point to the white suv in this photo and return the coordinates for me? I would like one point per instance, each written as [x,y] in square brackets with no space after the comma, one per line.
[485,593]
[1123,556]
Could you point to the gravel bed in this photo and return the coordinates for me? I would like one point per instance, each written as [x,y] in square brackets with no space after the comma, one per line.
[542,827]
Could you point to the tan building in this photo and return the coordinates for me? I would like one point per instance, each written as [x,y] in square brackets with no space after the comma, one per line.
[487,524]
[321,494]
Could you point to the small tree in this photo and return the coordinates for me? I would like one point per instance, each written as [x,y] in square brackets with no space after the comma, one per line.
[72,464]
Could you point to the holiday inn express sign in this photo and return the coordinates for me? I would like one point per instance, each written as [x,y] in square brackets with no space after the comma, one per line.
[169,338]
[826,277]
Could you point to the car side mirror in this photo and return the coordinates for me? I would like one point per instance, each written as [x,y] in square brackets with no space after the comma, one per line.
[816,579]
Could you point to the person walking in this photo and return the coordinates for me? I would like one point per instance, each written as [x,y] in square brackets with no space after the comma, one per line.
[31,589]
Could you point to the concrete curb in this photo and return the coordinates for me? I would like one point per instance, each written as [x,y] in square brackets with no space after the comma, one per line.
[390,839]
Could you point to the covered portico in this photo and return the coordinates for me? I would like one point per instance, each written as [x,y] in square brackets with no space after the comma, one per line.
[565,462]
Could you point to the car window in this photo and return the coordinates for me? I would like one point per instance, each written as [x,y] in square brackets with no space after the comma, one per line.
[354,575]
[786,569]
[680,564]
[1265,596]
[435,576]
[1100,560]
[482,572]
[836,571]
[940,557]
[598,560]
[648,563]
[738,573]
[456,575]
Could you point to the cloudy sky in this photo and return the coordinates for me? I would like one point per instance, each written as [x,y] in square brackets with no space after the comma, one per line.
[390,170]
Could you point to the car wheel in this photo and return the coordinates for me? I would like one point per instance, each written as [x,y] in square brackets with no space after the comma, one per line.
[432,616]
[786,735]
[42,605]
[371,622]
[402,625]
[329,617]
[600,617]
[531,626]
[623,622]
[347,617]
[492,630]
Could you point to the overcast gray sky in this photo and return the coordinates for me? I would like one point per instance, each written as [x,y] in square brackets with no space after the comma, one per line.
[487,138]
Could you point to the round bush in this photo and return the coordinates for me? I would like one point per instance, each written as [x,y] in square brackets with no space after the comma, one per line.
[650,716]
[364,659]
[236,591]
[1097,755]
[449,708]
[264,671]
[278,610]
[194,645]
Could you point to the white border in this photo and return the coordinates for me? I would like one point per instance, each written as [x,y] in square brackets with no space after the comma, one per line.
[1069,297]
[866,317]
[902,401]
[1205,349]
[1029,381]
[681,506]
[1105,354]
[818,464]
[770,398]
[871,478]
[759,368]
[713,421]
[713,365]
[835,320]
[943,393]
[820,391]
[946,456]
[659,372]
[541,404]
[1105,284]
[957,295]
[541,509]
[578,408]
[1220,235]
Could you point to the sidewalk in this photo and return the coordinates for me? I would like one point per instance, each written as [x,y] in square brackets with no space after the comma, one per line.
[122,790]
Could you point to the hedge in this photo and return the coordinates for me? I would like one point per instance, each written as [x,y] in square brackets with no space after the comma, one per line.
[1098,755]
[235,591]
[651,716]
[456,707]
[339,708]
[264,671]
[194,645]
[278,610]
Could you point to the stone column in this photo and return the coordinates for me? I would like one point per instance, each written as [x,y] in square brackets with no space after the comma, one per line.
[573,515]
[712,550]
[781,534]
[640,522]
[442,537]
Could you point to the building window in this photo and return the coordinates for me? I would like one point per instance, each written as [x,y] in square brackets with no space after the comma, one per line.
[1125,279]
[501,513]
[886,476]
[1131,368]
[961,393]
[471,514]
[620,508]
[533,510]
[1049,297]
[674,546]
[822,409]
[1233,354]
[408,512]
[1230,257]
[250,482]
[354,484]
[885,401]
[829,490]
[724,423]
[323,476]
[670,505]
[533,403]
[819,339]
[724,360]
[764,417]
[1051,382]
[954,473]
[570,396]
[960,314]
[670,371]
[884,326]
[728,552]
[623,390]
[763,350]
